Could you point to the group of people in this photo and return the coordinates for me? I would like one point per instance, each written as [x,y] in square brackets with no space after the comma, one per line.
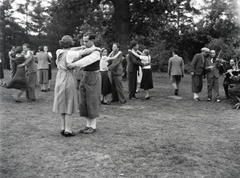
[207,64]
[27,69]
[101,75]
[87,75]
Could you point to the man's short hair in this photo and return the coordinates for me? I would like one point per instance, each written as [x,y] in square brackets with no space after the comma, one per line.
[26,44]
[40,48]
[133,43]
[117,44]
[91,36]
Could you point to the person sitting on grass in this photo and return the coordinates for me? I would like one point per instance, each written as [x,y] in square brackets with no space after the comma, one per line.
[234,92]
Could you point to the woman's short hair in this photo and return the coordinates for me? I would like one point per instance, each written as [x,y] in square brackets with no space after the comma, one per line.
[40,48]
[66,42]
[146,51]
[18,49]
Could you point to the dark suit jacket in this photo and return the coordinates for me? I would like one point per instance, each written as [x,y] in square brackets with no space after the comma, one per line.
[134,63]
[197,64]
[116,65]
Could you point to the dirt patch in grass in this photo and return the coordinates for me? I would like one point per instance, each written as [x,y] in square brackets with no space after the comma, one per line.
[165,136]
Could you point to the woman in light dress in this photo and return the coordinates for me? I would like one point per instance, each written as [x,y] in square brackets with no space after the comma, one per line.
[65,93]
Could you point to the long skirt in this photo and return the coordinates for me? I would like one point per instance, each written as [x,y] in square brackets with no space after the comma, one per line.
[106,84]
[147,81]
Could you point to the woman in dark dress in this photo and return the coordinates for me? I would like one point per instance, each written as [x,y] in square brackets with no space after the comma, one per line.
[19,81]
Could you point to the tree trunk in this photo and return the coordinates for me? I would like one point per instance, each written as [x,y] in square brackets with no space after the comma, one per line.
[122,23]
[2,37]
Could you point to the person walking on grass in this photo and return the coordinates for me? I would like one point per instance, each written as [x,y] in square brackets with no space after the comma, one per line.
[212,71]
[90,86]
[65,92]
[176,70]
[197,72]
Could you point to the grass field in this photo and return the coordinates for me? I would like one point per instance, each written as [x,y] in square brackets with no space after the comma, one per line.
[158,138]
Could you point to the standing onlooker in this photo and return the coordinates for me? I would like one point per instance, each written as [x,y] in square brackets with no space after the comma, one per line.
[43,60]
[19,80]
[12,61]
[212,72]
[116,74]
[146,81]
[176,70]
[106,84]
[197,72]
[45,48]
[90,86]
[134,63]
[1,71]
[31,72]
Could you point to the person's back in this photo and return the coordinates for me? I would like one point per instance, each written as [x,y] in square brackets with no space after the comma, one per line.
[176,64]
[42,58]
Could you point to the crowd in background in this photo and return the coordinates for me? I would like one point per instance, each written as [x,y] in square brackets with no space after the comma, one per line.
[89,76]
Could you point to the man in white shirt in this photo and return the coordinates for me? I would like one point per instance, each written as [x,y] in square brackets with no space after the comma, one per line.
[90,86]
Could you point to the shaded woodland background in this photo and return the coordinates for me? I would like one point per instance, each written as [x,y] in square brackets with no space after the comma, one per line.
[159,25]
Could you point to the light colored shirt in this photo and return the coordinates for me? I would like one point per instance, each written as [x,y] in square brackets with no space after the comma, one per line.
[89,59]
[104,63]
[145,60]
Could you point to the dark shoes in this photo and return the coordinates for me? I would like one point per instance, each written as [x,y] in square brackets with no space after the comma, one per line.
[133,98]
[176,92]
[83,130]
[62,132]
[197,99]
[89,131]
[146,97]
[69,134]
[106,103]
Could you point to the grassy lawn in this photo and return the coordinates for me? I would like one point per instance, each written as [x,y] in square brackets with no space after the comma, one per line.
[158,138]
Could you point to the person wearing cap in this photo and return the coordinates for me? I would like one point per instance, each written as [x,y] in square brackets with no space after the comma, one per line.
[212,73]
[197,72]
[90,86]
[65,92]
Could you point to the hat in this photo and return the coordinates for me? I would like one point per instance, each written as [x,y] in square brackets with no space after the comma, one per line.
[205,49]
